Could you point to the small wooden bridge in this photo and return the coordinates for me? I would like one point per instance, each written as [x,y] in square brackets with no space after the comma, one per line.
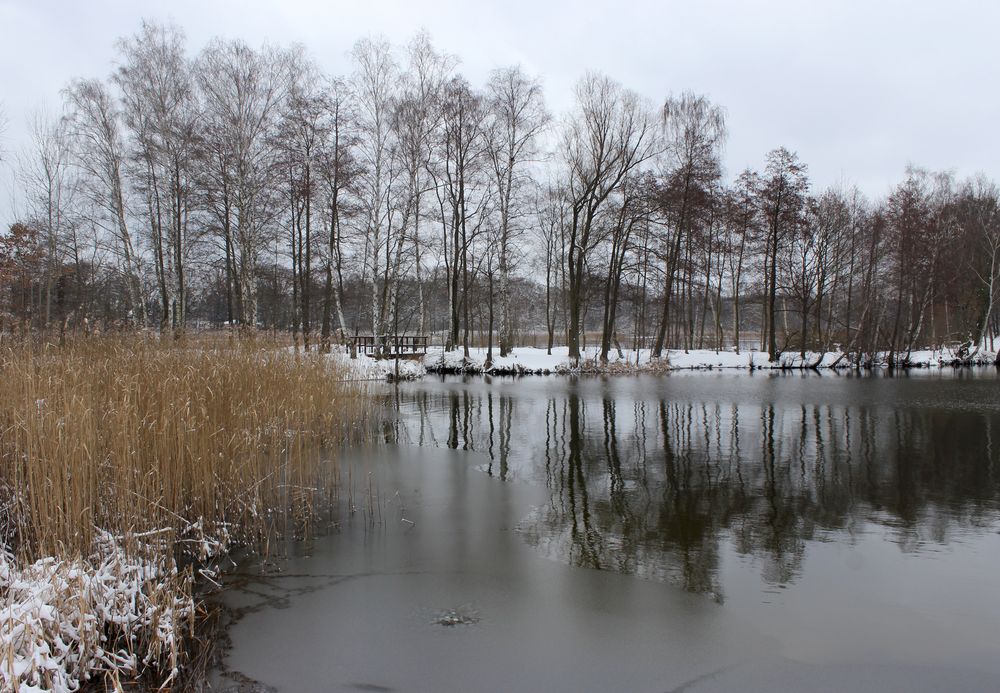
[389,346]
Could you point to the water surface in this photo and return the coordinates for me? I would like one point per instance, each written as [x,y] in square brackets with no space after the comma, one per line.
[700,531]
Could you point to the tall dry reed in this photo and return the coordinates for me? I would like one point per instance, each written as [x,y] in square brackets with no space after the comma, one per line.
[165,449]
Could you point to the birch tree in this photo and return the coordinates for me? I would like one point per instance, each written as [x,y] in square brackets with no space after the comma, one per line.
[94,121]
[243,90]
[338,170]
[462,198]
[303,135]
[375,82]
[517,117]
[161,111]
[416,121]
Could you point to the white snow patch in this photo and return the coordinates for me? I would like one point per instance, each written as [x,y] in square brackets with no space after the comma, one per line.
[63,621]
[366,368]
[535,361]
[527,360]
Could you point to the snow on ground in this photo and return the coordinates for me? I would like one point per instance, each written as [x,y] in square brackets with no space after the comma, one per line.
[533,361]
[527,360]
[366,368]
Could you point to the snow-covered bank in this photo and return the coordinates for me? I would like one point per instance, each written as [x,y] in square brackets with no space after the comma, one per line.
[527,360]
[366,368]
[532,361]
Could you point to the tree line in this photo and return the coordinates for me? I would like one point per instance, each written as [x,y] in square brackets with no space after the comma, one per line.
[246,187]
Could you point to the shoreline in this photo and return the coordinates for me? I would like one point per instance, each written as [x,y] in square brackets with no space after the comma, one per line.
[535,361]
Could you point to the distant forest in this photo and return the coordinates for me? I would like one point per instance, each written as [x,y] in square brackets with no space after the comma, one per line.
[245,187]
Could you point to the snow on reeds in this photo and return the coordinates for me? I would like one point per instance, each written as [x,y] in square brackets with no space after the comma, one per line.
[125,463]
[63,621]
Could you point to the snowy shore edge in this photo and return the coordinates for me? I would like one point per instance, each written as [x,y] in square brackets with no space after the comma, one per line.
[533,361]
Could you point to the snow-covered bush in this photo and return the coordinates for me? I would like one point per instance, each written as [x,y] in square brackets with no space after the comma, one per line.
[64,621]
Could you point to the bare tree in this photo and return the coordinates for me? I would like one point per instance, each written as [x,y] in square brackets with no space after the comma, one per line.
[628,211]
[919,214]
[3,132]
[741,219]
[338,170]
[550,214]
[781,199]
[833,240]
[609,135]
[160,108]
[416,121]
[96,128]
[979,214]
[694,132]
[375,82]
[243,90]
[462,197]
[46,176]
[248,187]
[800,267]
[517,117]
[303,135]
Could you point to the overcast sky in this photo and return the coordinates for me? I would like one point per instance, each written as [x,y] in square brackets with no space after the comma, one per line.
[858,89]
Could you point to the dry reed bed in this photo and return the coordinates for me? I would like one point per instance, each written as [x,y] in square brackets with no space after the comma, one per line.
[125,464]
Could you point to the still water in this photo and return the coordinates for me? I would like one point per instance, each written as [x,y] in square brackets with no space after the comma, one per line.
[696,532]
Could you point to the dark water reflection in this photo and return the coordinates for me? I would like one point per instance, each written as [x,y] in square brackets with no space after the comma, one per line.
[703,532]
[658,477]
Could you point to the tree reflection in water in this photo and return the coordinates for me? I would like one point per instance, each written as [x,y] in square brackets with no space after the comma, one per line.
[652,487]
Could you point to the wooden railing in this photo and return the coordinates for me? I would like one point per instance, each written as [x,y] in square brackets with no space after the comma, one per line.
[390,346]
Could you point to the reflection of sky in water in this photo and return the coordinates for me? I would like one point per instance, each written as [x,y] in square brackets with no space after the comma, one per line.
[671,478]
[796,532]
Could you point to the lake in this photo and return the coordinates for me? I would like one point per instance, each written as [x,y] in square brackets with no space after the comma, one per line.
[700,531]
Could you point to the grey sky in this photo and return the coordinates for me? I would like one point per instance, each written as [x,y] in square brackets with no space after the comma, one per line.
[858,89]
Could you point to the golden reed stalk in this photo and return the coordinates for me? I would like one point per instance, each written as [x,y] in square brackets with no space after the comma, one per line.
[166,450]
[133,435]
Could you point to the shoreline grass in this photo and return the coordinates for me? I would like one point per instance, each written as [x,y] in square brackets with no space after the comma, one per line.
[126,463]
